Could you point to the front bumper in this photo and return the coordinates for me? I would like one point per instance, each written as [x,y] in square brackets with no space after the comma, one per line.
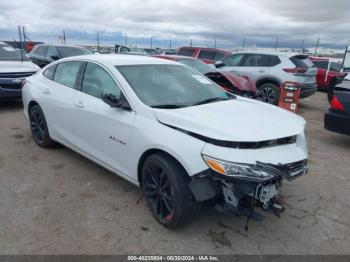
[10,88]
[337,122]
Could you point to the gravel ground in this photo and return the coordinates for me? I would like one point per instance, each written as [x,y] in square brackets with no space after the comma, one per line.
[57,202]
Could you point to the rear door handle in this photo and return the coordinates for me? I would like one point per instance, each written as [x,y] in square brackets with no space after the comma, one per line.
[261,71]
[79,103]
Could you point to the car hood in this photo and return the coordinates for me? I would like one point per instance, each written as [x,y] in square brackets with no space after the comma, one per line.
[17,67]
[238,120]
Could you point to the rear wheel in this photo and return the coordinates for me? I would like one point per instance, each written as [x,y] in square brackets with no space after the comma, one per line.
[166,190]
[269,93]
[39,128]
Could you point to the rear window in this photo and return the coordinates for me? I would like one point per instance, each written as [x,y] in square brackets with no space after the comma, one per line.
[301,61]
[323,64]
[186,52]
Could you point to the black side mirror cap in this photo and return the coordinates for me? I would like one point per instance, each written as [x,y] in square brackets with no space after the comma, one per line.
[54,57]
[115,102]
[219,64]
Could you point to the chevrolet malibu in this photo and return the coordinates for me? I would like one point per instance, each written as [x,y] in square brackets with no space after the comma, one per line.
[170,130]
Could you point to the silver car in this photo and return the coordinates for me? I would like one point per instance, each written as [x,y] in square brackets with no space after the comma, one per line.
[270,70]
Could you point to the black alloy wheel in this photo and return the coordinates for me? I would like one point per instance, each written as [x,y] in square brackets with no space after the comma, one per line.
[269,93]
[165,187]
[39,128]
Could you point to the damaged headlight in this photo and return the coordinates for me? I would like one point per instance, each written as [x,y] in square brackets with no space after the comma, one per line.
[237,170]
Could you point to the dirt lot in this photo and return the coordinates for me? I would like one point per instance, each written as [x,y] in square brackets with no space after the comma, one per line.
[57,202]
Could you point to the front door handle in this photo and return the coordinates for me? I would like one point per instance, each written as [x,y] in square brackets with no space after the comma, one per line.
[261,71]
[79,103]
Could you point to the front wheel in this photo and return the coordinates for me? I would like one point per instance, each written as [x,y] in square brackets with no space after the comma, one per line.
[166,190]
[39,128]
[269,93]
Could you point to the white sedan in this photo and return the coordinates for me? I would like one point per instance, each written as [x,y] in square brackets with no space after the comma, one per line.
[168,129]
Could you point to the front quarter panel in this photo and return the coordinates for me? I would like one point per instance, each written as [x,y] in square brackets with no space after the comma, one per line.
[150,134]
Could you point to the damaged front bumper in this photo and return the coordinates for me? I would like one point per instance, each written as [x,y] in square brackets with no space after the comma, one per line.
[240,194]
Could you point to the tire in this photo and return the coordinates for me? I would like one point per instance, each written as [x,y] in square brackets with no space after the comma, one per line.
[269,93]
[165,187]
[39,128]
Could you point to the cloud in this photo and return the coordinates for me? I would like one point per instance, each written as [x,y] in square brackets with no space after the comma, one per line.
[227,20]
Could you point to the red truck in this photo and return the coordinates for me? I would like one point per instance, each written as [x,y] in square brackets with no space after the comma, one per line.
[327,70]
[207,55]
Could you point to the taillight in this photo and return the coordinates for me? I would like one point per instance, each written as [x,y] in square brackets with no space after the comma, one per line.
[296,70]
[336,105]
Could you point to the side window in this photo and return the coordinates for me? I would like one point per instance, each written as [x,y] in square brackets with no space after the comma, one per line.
[203,54]
[52,52]
[124,49]
[42,50]
[273,60]
[66,73]
[233,60]
[219,56]
[98,81]
[49,72]
[186,51]
[256,60]
[35,50]
[321,64]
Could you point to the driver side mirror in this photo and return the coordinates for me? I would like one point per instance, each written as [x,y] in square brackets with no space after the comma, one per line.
[115,102]
[219,64]
[54,57]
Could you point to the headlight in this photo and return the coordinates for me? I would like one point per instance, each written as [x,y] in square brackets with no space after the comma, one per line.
[244,171]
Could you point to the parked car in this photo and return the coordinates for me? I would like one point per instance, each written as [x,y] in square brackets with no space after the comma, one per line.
[337,119]
[43,55]
[168,129]
[207,55]
[270,70]
[14,68]
[229,81]
[327,69]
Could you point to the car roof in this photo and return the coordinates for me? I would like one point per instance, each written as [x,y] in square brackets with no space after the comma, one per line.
[276,53]
[203,48]
[120,59]
[175,57]
[60,45]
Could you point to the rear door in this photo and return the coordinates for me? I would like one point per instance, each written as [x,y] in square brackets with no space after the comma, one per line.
[58,92]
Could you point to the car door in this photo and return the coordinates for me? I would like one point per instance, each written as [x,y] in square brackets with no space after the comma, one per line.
[231,63]
[104,132]
[255,66]
[57,95]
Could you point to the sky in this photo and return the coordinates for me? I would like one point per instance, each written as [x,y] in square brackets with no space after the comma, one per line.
[258,22]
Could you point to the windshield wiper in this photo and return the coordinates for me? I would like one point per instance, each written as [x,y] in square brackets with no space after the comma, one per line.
[210,100]
[168,106]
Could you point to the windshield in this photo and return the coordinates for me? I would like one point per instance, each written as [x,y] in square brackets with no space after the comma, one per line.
[170,86]
[67,51]
[200,66]
[8,53]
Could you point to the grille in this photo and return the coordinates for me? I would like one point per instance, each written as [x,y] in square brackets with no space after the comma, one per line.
[11,86]
[16,75]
